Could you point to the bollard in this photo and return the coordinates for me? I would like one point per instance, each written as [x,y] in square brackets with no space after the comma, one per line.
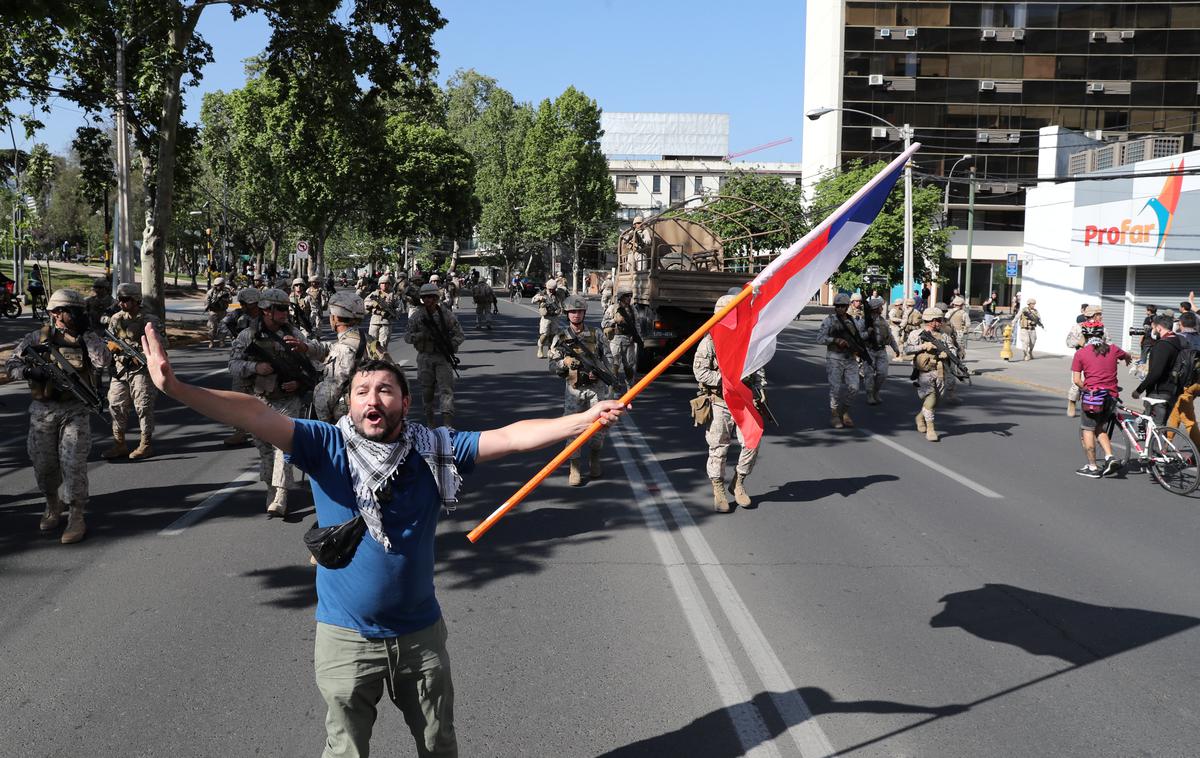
[1006,348]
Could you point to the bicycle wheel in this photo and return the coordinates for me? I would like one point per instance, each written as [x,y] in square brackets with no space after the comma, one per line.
[1175,462]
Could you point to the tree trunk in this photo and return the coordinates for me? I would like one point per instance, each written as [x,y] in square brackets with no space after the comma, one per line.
[158,218]
[454,254]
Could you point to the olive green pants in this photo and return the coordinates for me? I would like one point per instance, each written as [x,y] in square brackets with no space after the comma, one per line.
[353,671]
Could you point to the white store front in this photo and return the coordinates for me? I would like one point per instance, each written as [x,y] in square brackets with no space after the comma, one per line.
[1126,237]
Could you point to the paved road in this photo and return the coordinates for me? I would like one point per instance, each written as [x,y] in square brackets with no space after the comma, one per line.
[889,596]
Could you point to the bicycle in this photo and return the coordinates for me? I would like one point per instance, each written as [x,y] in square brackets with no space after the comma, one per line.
[1167,452]
[976,331]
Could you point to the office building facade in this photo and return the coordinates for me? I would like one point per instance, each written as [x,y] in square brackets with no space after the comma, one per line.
[981,78]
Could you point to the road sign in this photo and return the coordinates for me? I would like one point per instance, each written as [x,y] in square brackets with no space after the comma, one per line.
[302,247]
[1011,269]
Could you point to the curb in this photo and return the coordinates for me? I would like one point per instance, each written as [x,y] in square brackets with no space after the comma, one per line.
[1023,383]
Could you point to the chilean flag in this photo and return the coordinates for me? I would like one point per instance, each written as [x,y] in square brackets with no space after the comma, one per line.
[745,338]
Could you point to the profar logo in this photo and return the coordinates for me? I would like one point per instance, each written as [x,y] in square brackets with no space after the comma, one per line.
[1129,233]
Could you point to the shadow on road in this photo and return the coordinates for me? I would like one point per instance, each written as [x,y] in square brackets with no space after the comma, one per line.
[808,490]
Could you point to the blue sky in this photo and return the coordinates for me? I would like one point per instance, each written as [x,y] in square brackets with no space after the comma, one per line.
[744,59]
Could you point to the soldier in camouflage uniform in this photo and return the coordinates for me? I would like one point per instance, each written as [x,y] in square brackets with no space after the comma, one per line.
[300,310]
[950,381]
[385,307]
[856,306]
[583,388]
[100,304]
[841,337]
[606,293]
[958,319]
[549,304]
[60,438]
[930,366]
[721,429]
[234,324]
[485,303]
[1030,321]
[435,371]
[876,333]
[318,301]
[283,393]
[912,319]
[216,304]
[362,287]
[620,327]
[130,385]
[341,356]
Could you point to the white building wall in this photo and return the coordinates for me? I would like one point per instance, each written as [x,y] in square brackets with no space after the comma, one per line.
[1047,274]
[823,65]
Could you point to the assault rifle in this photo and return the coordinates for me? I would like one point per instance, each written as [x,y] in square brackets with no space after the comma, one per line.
[127,350]
[301,317]
[957,367]
[760,402]
[288,365]
[630,325]
[63,375]
[588,361]
[441,340]
[852,337]
[1035,319]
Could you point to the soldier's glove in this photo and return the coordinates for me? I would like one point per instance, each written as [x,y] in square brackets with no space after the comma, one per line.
[571,363]
[841,344]
[943,355]
[928,346]
[113,347]
[36,374]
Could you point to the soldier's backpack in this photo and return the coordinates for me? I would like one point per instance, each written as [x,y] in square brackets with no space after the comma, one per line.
[1186,369]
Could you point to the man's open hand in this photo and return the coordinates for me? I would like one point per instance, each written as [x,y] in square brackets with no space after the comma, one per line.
[157,362]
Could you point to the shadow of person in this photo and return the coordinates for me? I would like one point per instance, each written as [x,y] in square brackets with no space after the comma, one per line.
[808,490]
[713,736]
[1042,624]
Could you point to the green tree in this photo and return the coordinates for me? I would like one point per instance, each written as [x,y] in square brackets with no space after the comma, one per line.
[492,127]
[883,244]
[67,50]
[569,198]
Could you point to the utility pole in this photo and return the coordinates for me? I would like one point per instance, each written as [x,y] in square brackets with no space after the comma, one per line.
[123,271]
[970,234]
[18,257]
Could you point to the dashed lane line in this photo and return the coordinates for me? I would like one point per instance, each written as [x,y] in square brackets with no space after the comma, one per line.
[209,504]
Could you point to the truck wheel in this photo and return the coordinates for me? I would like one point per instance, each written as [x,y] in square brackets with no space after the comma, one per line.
[645,360]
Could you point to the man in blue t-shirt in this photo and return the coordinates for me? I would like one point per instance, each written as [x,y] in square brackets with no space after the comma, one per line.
[378,621]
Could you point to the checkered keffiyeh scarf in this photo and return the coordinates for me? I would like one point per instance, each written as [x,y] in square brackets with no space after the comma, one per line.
[373,466]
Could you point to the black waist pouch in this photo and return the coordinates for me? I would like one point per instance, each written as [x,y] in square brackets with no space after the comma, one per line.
[334,546]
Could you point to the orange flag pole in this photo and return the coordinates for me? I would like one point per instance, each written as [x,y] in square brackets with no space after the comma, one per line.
[626,399]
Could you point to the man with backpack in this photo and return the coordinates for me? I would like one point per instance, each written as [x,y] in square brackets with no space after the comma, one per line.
[1187,372]
[1094,374]
[1160,382]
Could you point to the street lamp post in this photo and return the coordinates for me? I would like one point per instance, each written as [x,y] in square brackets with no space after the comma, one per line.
[970,226]
[906,132]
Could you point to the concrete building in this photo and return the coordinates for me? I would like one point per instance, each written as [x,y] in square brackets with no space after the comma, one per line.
[982,78]
[1123,235]
[659,159]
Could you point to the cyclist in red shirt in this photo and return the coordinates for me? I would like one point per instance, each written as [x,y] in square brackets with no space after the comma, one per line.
[1094,371]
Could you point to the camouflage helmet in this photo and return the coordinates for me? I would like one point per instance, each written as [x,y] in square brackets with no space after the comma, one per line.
[638,219]
[624,291]
[435,278]
[551,284]
[575,303]
[248,296]
[101,284]
[219,281]
[958,300]
[385,279]
[856,296]
[1093,310]
[65,298]
[722,301]
[429,289]
[129,290]
[298,282]
[930,314]
[909,301]
[841,299]
[874,302]
[347,305]
[272,296]
[1032,301]
[314,278]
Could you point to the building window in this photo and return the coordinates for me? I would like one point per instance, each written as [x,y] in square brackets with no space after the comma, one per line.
[626,183]
[699,185]
[656,183]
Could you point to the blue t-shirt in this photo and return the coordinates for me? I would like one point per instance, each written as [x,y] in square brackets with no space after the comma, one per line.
[378,594]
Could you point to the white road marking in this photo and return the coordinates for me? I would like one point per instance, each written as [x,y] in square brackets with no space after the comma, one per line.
[209,504]
[752,731]
[802,727]
[964,481]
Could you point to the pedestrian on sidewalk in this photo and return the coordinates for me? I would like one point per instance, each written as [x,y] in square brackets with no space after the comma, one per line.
[379,624]
[1094,372]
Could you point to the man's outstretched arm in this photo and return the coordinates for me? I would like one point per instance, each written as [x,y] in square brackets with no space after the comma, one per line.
[233,408]
[532,434]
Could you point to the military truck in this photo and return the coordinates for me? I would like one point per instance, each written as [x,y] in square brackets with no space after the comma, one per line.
[677,264]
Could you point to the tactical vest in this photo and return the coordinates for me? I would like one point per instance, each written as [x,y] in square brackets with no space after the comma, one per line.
[74,352]
[590,337]
[550,307]
[130,329]
[268,386]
